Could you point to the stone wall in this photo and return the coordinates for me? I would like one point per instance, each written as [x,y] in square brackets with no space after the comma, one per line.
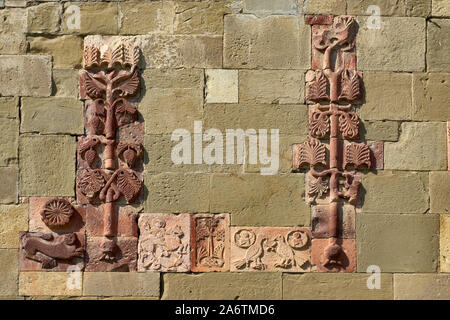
[230,64]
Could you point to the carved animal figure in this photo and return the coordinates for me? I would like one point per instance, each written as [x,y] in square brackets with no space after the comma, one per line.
[253,255]
[45,248]
[284,252]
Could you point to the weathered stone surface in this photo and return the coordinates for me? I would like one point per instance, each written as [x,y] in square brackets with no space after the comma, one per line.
[177,193]
[438,45]
[332,286]
[52,115]
[121,284]
[13,24]
[336,7]
[13,219]
[271,86]
[44,18]
[164,242]
[51,252]
[65,82]
[376,155]
[421,286]
[448,145]
[177,51]
[49,284]
[47,166]
[36,224]
[441,8]
[422,146]
[381,130]
[439,192]
[273,42]
[409,8]
[320,219]
[210,242]
[66,50]
[431,96]
[200,17]
[271,7]
[173,78]
[398,243]
[25,75]
[8,187]
[125,255]
[444,239]
[388,96]
[383,190]
[222,86]
[137,17]
[9,272]
[256,200]
[9,141]
[165,110]
[245,286]
[125,221]
[270,249]
[289,119]
[15,3]
[400,39]
[347,257]
[95,18]
[9,108]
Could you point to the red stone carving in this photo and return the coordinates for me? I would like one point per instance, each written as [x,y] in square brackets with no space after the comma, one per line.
[331,87]
[110,161]
[210,243]
[164,242]
[334,255]
[270,249]
[318,19]
[47,250]
[57,213]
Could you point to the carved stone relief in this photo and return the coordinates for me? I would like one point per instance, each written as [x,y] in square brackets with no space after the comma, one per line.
[164,242]
[270,249]
[210,243]
[333,163]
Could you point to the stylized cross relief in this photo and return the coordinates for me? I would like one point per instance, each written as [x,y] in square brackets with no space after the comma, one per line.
[331,88]
[108,167]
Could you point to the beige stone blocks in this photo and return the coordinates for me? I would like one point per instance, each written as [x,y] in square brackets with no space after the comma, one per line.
[441,8]
[421,146]
[9,272]
[401,8]
[48,165]
[431,96]
[438,45]
[13,24]
[271,86]
[439,191]
[272,42]
[444,240]
[44,18]
[50,284]
[246,286]
[137,17]
[383,190]
[66,50]
[8,187]
[13,219]
[9,141]
[335,286]
[401,41]
[29,75]
[52,115]
[121,284]
[425,286]
[398,242]
[222,86]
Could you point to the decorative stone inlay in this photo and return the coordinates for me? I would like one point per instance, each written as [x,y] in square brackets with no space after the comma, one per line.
[110,155]
[49,251]
[270,249]
[164,242]
[57,212]
[332,178]
[210,242]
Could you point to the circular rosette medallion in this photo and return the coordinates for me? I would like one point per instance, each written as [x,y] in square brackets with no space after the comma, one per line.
[298,239]
[244,238]
[57,212]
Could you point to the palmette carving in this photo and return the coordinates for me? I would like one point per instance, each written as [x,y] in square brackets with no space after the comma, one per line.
[312,152]
[110,163]
[357,155]
[270,249]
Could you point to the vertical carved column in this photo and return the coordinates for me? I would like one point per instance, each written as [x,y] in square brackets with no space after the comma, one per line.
[331,88]
[109,165]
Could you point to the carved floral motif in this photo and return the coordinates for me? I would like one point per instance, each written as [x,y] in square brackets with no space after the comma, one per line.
[57,212]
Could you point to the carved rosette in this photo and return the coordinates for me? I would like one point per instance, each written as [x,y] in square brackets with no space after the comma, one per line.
[332,87]
[57,213]
[110,162]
